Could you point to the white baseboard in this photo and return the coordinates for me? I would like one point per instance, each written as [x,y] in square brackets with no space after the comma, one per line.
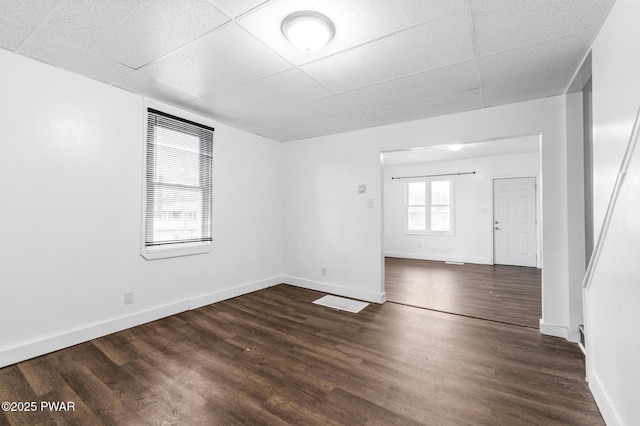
[602,401]
[572,336]
[32,349]
[553,330]
[219,296]
[440,258]
[336,289]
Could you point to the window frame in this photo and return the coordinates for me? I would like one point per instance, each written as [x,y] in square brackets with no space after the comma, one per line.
[169,250]
[428,205]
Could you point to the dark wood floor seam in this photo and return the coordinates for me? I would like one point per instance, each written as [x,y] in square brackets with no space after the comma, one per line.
[462,315]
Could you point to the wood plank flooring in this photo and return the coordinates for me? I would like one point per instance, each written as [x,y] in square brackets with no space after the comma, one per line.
[273,357]
[509,294]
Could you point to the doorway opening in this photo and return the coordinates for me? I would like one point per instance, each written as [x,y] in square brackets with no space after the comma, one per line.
[458,272]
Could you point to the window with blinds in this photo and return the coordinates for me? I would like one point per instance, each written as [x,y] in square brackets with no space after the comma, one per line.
[179,156]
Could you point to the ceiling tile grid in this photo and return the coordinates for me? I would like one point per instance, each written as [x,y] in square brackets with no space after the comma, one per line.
[236,8]
[504,24]
[539,69]
[459,102]
[222,59]
[28,13]
[356,21]
[72,58]
[133,33]
[277,90]
[435,83]
[12,34]
[388,62]
[157,89]
[306,112]
[336,124]
[438,42]
[18,19]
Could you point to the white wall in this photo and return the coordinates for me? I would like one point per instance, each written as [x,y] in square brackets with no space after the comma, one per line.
[611,303]
[71,171]
[328,222]
[473,208]
[576,206]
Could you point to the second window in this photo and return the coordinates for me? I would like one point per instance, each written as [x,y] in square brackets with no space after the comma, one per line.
[429,207]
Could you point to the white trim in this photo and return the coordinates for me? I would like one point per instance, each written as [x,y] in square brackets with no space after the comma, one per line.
[439,258]
[163,252]
[229,293]
[604,404]
[559,331]
[69,338]
[573,336]
[336,290]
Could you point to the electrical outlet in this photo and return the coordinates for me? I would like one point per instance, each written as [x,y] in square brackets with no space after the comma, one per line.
[128,298]
[419,245]
[323,272]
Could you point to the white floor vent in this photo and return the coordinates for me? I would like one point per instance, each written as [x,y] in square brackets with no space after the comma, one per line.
[341,303]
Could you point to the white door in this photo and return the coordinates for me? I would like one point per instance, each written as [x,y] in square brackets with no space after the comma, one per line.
[514,221]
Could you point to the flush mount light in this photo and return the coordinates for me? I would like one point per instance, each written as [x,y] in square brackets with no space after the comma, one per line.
[308,31]
[456,146]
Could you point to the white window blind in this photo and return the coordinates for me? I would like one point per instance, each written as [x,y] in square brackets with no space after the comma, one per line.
[178,182]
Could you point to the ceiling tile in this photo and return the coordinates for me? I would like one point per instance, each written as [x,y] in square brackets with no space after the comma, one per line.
[248,125]
[236,8]
[305,112]
[337,124]
[12,34]
[525,90]
[459,102]
[133,33]
[356,22]
[425,85]
[284,88]
[71,58]
[436,43]
[26,12]
[503,24]
[223,59]
[534,61]
[137,82]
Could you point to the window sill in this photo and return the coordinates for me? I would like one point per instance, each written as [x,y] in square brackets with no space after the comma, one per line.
[163,252]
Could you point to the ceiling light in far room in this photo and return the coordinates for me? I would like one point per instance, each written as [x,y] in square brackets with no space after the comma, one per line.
[308,31]
[456,146]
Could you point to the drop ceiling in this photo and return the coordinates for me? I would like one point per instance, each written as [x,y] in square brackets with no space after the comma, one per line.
[390,61]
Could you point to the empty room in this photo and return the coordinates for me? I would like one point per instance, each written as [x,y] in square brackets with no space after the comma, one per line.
[319,212]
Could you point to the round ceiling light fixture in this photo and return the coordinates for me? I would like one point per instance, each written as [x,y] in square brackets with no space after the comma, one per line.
[456,146]
[308,31]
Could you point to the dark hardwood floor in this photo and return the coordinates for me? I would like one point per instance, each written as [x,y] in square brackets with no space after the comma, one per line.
[272,357]
[509,294]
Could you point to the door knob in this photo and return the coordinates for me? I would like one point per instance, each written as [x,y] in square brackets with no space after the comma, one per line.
[496,228]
